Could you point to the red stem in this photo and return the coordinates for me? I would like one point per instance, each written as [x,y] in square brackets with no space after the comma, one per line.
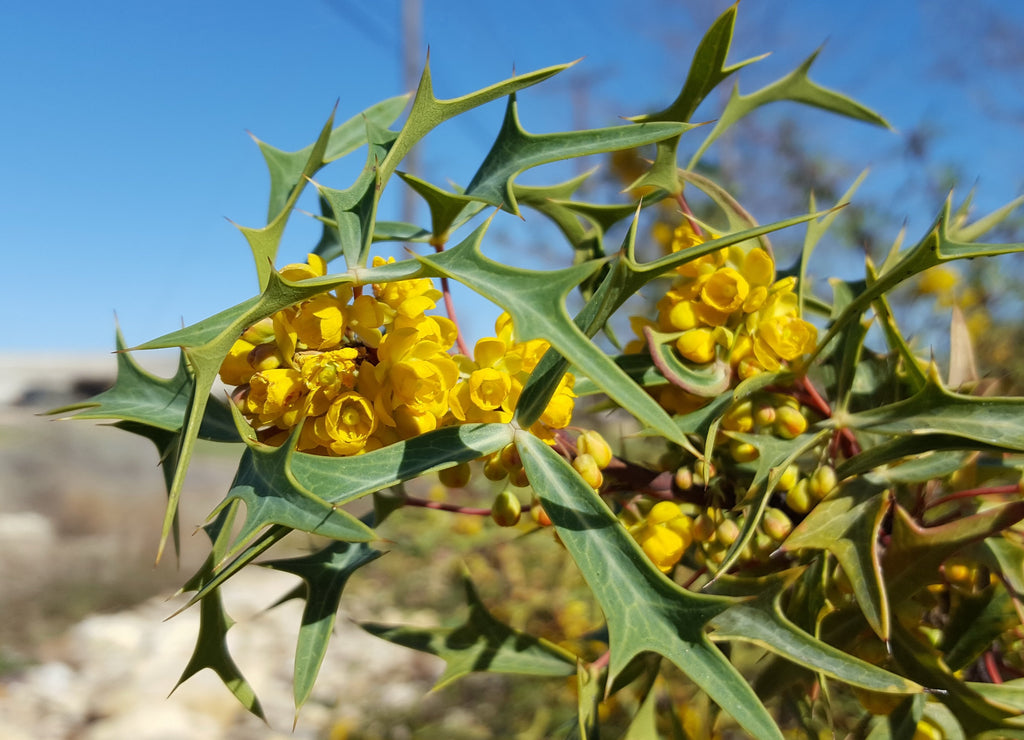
[441,506]
[992,668]
[972,492]
[449,307]
[685,207]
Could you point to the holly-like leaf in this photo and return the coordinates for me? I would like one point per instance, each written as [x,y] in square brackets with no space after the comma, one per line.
[211,651]
[707,381]
[149,401]
[915,552]
[921,662]
[645,611]
[950,238]
[354,209]
[707,70]
[325,574]
[796,87]
[536,302]
[761,621]
[428,112]
[846,524]
[516,150]
[481,643]
[288,170]
[445,208]
[990,420]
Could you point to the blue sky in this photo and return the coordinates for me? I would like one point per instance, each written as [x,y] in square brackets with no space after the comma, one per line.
[124,144]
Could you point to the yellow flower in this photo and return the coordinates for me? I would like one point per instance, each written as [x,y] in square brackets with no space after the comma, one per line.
[328,374]
[725,290]
[788,336]
[319,323]
[316,267]
[558,413]
[348,423]
[236,369]
[276,397]
[758,267]
[488,388]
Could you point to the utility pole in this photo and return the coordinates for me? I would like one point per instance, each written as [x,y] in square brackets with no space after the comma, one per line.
[412,33]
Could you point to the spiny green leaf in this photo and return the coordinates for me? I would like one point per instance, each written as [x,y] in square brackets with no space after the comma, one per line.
[935,410]
[846,524]
[267,486]
[536,302]
[205,346]
[445,208]
[264,241]
[325,574]
[920,662]
[797,87]
[707,381]
[481,643]
[516,150]
[646,612]
[762,622]
[707,70]
[211,652]
[428,112]
[947,240]
[288,169]
[147,400]
[354,209]
[915,552]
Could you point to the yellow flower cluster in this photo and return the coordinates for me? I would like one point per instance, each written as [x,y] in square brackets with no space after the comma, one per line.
[729,299]
[361,371]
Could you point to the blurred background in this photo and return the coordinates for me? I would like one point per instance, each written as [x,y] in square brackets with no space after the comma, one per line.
[126,144]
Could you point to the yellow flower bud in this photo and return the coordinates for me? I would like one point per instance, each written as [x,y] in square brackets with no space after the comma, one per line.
[456,476]
[789,422]
[588,469]
[776,524]
[592,443]
[798,498]
[823,481]
[506,509]
[697,345]
[789,478]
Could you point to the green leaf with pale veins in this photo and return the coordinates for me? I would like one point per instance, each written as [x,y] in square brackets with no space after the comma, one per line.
[536,302]
[707,70]
[354,209]
[325,574]
[267,486]
[516,150]
[142,398]
[645,611]
[988,420]
[796,87]
[481,643]
[762,622]
[288,170]
[846,524]
[445,208]
[206,344]
[211,652]
[949,239]
[428,112]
